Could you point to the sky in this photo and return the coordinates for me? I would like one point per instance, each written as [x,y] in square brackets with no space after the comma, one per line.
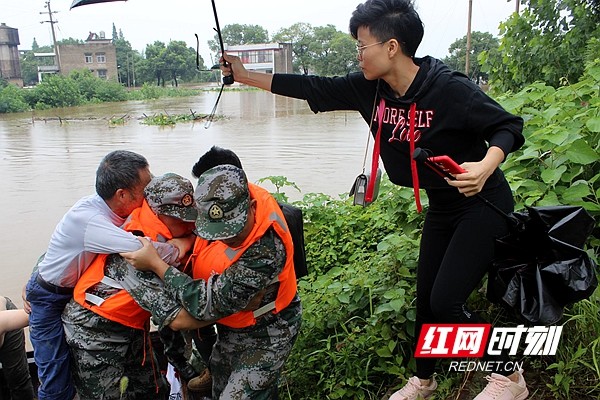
[145,21]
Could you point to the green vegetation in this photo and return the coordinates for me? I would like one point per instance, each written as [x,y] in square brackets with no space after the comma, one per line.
[549,41]
[169,120]
[80,87]
[359,311]
[11,98]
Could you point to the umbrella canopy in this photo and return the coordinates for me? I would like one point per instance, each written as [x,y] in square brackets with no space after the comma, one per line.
[77,3]
[541,267]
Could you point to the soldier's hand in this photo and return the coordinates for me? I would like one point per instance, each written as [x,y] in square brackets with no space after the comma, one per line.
[146,259]
[184,245]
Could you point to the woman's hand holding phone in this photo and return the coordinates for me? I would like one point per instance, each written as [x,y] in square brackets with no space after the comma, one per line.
[446,164]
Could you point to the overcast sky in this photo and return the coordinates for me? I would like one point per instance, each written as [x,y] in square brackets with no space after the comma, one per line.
[144,21]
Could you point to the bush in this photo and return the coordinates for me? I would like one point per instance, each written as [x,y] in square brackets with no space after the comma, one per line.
[150,92]
[12,100]
[56,91]
[110,91]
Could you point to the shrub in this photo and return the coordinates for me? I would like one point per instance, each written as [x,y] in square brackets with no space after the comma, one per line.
[12,100]
[56,91]
[110,91]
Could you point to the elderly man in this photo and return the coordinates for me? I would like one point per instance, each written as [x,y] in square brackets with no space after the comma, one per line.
[89,228]
[107,322]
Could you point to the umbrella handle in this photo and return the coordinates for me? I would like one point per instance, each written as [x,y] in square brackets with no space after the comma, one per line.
[227,80]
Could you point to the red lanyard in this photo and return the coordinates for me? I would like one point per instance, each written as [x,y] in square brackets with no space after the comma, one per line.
[375,158]
[376,150]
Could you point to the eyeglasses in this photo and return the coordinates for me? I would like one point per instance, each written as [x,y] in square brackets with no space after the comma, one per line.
[360,49]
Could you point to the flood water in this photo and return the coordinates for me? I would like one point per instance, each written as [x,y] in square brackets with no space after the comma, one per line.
[46,165]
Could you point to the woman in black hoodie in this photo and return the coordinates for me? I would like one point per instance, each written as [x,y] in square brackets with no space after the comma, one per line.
[419,102]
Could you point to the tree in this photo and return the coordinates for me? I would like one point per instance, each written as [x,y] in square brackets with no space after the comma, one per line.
[480,41]
[178,60]
[342,58]
[126,60]
[30,63]
[237,34]
[154,63]
[547,42]
[333,52]
[300,35]
[70,40]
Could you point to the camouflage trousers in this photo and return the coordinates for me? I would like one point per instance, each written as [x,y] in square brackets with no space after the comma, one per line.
[105,354]
[246,363]
[149,293]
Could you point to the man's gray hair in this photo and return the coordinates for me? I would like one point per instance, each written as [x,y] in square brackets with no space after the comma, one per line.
[119,169]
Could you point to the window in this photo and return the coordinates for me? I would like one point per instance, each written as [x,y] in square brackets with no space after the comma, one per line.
[256,56]
[101,58]
[102,73]
[88,58]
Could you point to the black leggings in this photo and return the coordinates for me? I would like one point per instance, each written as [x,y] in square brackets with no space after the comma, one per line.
[456,249]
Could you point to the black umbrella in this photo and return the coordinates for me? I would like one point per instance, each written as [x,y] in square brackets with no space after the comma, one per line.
[540,267]
[77,3]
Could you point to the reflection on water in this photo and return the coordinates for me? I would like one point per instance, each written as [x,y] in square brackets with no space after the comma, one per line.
[46,166]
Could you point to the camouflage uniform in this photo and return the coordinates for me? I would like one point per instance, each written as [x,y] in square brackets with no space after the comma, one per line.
[245,362]
[104,351]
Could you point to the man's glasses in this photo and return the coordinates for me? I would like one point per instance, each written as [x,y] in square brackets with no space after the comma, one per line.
[361,49]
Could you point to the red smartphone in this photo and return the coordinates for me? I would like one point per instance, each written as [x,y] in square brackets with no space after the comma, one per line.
[444,165]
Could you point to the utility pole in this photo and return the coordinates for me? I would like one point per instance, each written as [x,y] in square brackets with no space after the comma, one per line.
[132,70]
[52,22]
[517,3]
[128,73]
[469,38]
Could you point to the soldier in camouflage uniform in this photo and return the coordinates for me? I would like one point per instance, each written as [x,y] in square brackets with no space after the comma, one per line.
[244,247]
[105,352]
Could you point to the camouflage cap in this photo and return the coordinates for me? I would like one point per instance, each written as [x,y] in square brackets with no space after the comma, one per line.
[173,195]
[222,199]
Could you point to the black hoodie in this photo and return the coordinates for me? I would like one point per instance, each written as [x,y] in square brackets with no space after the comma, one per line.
[454,116]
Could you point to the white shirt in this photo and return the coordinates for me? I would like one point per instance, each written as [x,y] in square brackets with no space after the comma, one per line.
[89,228]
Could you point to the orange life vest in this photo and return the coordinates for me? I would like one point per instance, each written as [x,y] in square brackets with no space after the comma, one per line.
[215,257]
[121,307]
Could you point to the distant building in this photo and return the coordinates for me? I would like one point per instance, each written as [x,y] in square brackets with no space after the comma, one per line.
[10,66]
[97,54]
[268,58]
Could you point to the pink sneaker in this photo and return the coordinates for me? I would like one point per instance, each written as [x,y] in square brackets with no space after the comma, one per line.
[413,390]
[501,388]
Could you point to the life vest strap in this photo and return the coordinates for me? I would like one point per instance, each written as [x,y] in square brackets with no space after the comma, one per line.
[111,282]
[264,309]
[93,299]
